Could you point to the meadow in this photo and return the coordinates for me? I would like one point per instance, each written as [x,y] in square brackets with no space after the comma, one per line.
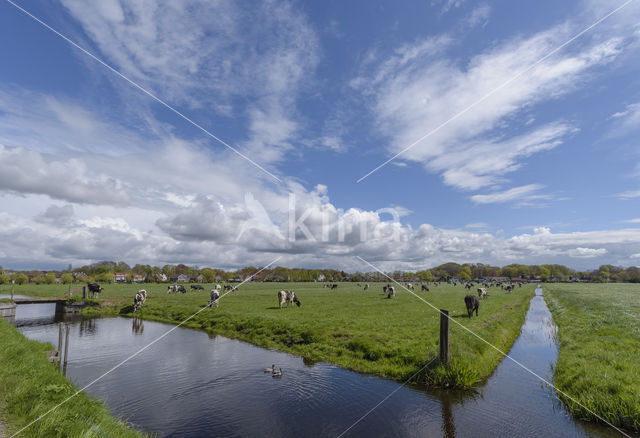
[349,327]
[599,356]
[30,386]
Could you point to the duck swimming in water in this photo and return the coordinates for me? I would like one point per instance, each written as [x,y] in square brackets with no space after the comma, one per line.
[277,373]
[270,370]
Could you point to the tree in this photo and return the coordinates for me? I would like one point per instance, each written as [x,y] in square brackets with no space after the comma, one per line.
[50,278]
[20,278]
[465,273]
[4,278]
[66,278]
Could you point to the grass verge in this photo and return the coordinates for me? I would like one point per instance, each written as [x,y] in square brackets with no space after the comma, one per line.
[30,386]
[599,355]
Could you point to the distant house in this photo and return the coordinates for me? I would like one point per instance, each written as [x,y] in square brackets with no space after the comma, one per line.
[161,277]
[173,279]
[183,278]
[120,277]
[198,278]
[138,278]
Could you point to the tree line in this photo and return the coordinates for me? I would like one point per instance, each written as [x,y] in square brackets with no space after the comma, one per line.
[105,272]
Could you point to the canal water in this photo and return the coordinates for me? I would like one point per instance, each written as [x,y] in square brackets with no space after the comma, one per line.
[191,384]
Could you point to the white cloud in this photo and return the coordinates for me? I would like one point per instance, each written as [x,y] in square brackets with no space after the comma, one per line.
[581,252]
[418,89]
[479,15]
[25,171]
[630,194]
[214,56]
[517,194]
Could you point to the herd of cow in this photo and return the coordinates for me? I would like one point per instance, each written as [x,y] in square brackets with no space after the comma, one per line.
[472,303]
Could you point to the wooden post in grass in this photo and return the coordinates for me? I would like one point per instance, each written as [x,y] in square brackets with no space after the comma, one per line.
[66,350]
[84,292]
[444,336]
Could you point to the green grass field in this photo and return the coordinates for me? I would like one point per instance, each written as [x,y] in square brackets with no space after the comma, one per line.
[599,357]
[359,330]
[30,386]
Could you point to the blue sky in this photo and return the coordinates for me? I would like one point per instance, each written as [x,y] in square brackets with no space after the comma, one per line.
[528,152]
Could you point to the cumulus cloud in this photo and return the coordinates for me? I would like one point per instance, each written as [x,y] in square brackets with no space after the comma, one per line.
[25,171]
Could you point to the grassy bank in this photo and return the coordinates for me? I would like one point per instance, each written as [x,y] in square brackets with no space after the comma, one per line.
[30,386]
[599,357]
[359,330]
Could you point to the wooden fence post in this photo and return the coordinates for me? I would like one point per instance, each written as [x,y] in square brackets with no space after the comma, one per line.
[66,350]
[444,336]
[84,292]
[59,343]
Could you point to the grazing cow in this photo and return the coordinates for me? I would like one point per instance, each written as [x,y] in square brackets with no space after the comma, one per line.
[214,297]
[180,288]
[172,289]
[509,288]
[391,292]
[334,286]
[218,287]
[410,286]
[482,292]
[472,304]
[287,296]
[196,287]
[139,299]
[366,286]
[94,289]
[425,288]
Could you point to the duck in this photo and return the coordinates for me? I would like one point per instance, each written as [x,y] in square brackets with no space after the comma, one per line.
[277,373]
[270,370]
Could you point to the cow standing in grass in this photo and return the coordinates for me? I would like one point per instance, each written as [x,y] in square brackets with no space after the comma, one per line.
[214,297]
[425,288]
[482,292]
[139,299]
[366,286]
[288,297]
[391,292]
[94,289]
[472,303]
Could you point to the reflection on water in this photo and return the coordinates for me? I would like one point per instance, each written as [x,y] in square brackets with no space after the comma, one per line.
[193,384]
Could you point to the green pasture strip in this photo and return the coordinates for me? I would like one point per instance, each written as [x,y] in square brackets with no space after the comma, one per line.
[599,355]
[30,386]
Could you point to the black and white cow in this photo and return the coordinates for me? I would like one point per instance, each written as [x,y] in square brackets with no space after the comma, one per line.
[425,288]
[391,292]
[139,299]
[366,286]
[472,303]
[482,292]
[288,297]
[334,286]
[196,287]
[214,297]
[94,289]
